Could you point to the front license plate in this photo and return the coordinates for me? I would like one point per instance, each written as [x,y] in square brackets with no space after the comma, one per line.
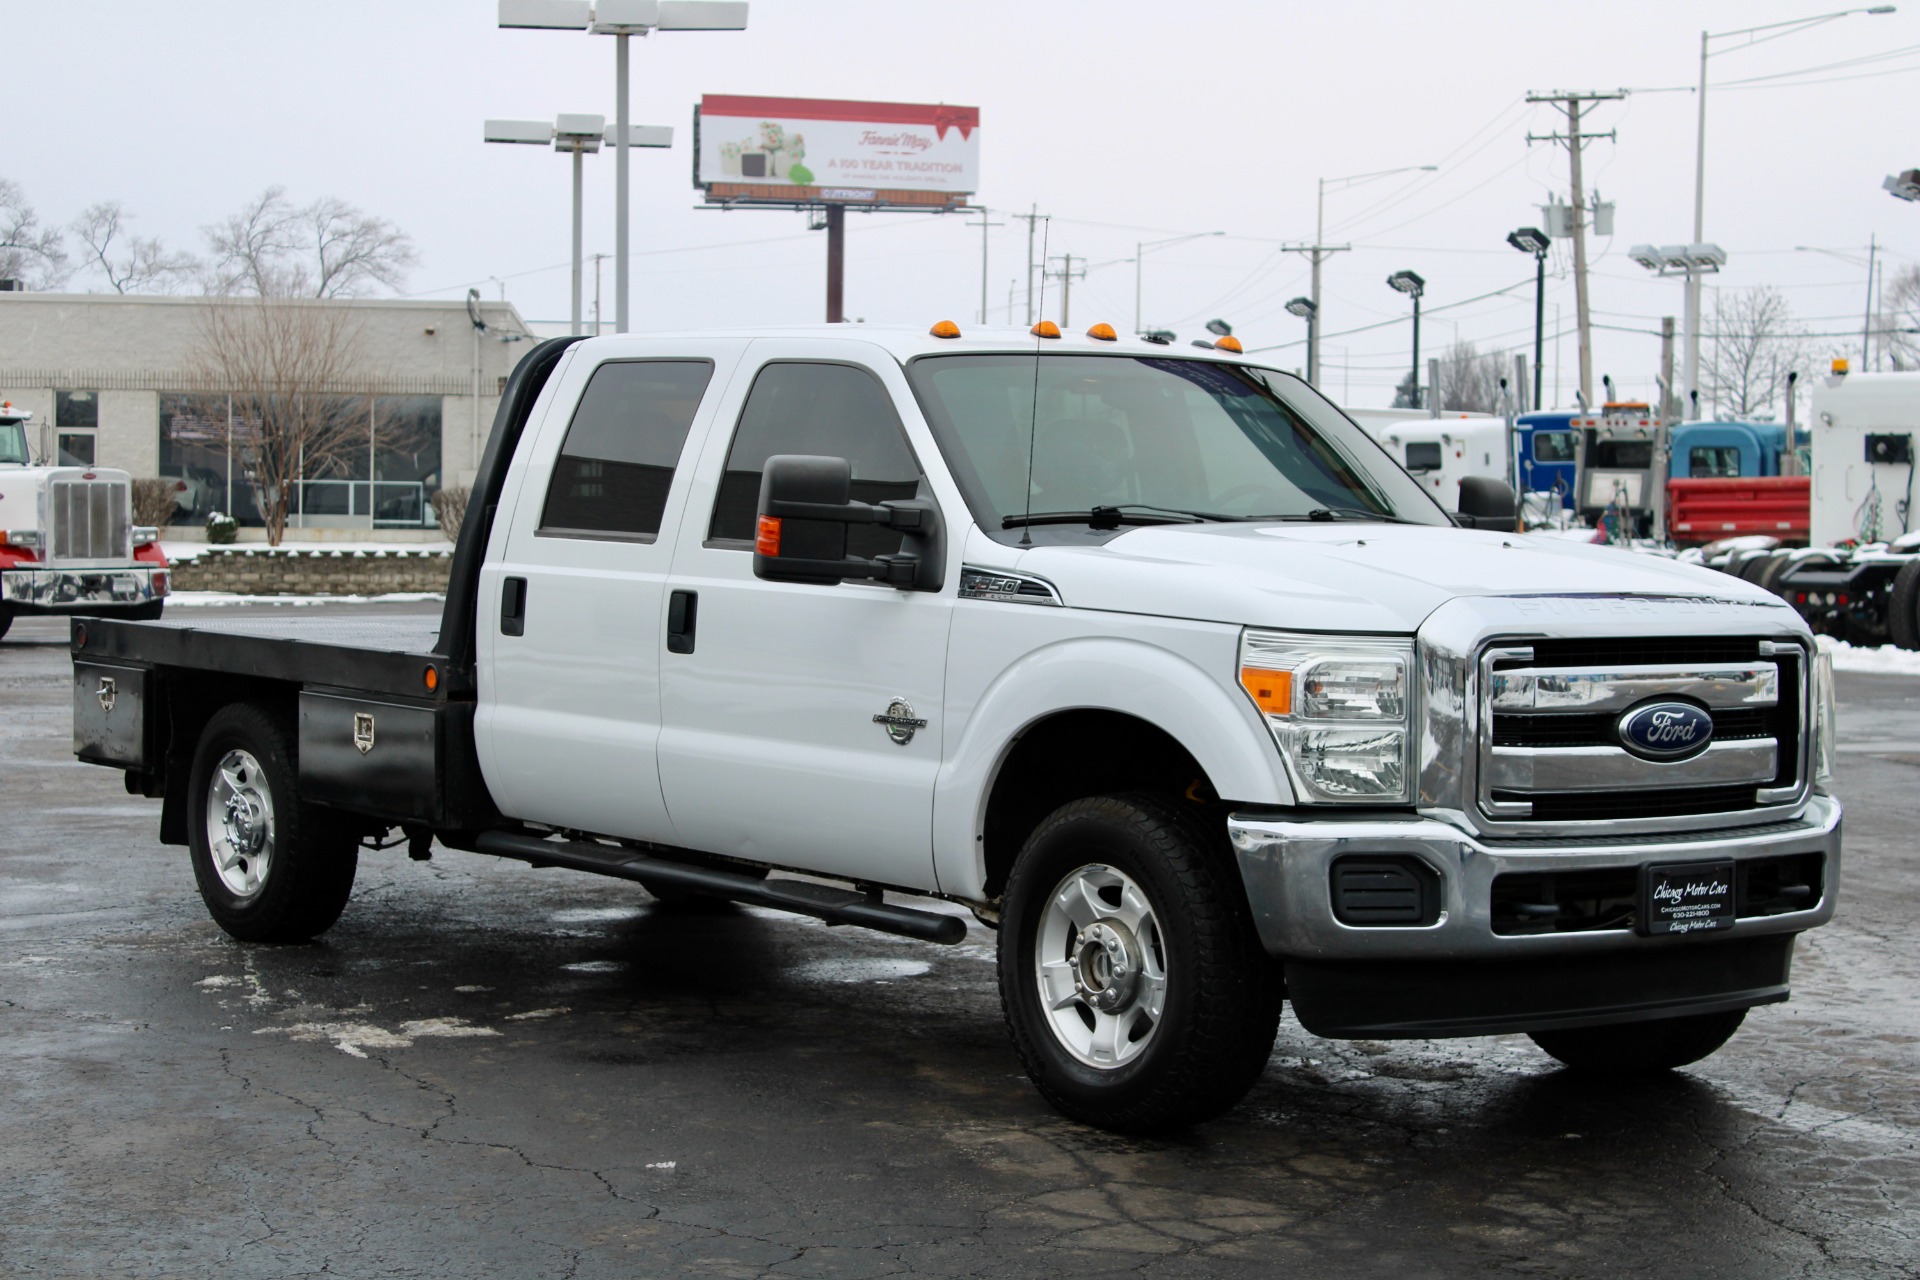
[1686,897]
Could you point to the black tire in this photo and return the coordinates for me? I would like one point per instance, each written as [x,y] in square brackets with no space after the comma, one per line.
[1753,566]
[1638,1048]
[301,867]
[1776,569]
[6,621]
[1903,610]
[1221,1003]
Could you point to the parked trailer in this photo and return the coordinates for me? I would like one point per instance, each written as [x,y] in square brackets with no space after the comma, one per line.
[1439,452]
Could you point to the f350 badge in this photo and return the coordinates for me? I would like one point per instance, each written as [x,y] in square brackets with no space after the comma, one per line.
[899,721]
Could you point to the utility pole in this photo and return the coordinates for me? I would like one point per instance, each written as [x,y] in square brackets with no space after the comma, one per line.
[1066,275]
[1866,321]
[983,211]
[1032,218]
[1571,103]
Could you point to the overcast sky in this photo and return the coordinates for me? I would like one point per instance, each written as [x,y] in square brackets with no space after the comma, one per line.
[1126,121]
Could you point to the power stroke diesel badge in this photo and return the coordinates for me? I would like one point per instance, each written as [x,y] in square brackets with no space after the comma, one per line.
[899,721]
[1666,730]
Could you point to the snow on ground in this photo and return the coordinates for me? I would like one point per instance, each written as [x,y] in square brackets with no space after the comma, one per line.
[205,599]
[1884,660]
[189,550]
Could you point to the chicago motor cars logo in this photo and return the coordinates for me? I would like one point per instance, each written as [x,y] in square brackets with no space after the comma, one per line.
[1666,730]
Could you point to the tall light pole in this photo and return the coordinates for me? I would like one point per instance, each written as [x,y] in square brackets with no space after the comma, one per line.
[1413,285]
[1140,251]
[1691,261]
[1304,308]
[1320,250]
[578,136]
[621,19]
[1534,241]
[1773,31]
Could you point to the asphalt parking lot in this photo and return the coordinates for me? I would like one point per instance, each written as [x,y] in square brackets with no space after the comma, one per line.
[490,1070]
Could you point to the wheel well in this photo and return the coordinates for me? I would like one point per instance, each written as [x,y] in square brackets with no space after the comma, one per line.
[1075,754]
[191,698]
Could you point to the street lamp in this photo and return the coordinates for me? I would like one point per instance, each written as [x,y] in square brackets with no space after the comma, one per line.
[1317,252]
[1140,251]
[1304,308]
[1413,285]
[1534,241]
[1904,185]
[1691,261]
[621,19]
[1776,30]
[578,136]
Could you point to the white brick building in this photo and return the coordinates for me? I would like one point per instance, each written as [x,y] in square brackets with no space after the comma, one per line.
[107,378]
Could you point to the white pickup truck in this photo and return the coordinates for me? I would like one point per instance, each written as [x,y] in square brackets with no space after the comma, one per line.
[1150,658]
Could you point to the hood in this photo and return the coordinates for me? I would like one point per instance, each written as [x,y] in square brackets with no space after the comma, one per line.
[1349,577]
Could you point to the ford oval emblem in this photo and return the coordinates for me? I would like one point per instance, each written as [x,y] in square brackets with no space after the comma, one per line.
[1666,730]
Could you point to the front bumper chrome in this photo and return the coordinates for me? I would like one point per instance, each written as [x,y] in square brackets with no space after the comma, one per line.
[1287,868]
[37,589]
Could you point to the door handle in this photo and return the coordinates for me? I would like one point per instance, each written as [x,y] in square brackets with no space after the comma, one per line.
[682,608]
[513,607]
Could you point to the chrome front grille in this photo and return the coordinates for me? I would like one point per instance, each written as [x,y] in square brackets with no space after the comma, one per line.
[91,520]
[1550,750]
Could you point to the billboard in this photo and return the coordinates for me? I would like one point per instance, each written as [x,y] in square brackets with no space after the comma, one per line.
[814,151]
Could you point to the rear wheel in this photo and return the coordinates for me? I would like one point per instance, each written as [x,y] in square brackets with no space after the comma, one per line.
[1132,980]
[1903,609]
[270,868]
[1630,1048]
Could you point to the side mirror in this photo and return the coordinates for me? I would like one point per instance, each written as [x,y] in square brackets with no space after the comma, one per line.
[800,534]
[1486,503]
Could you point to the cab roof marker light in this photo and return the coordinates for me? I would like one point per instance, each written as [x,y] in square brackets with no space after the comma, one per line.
[945,329]
[1229,343]
[1103,332]
[1045,329]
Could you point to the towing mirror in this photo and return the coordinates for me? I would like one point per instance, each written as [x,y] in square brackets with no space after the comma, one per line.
[1486,503]
[800,534]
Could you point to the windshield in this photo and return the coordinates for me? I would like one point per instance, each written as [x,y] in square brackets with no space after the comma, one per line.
[1154,438]
[13,443]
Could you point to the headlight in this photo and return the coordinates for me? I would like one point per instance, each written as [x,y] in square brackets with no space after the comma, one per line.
[1824,726]
[1339,709]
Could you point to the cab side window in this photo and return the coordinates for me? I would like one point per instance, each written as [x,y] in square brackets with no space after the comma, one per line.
[617,462]
[834,410]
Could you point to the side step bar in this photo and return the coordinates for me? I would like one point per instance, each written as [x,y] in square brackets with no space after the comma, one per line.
[835,906]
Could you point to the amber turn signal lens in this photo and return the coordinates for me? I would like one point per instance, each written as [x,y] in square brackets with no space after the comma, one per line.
[945,329]
[1045,329]
[1104,332]
[766,536]
[1229,343]
[430,678]
[1272,691]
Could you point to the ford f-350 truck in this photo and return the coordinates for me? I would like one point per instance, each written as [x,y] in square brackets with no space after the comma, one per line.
[1150,658]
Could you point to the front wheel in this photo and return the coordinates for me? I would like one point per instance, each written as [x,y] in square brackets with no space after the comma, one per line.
[270,868]
[1132,980]
[1632,1048]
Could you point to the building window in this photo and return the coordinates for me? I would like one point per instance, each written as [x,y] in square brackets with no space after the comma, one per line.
[76,417]
[406,460]
[196,454]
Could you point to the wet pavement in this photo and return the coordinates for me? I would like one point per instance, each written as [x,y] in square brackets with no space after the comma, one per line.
[490,1070]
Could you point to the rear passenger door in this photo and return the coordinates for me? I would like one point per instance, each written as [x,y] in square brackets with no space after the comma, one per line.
[770,748]
[572,608]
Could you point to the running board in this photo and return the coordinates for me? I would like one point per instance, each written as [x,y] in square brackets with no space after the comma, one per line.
[802,897]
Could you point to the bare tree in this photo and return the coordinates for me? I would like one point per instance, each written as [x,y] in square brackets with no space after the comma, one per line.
[1469,381]
[131,264]
[1755,343]
[289,366]
[1900,319]
[328,249]
[28,251]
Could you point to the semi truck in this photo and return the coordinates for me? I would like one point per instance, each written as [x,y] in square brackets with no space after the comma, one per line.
[1154,662]
[68,543]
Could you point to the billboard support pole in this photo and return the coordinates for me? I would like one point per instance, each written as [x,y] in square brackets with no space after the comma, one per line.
[836,262]
[620,185]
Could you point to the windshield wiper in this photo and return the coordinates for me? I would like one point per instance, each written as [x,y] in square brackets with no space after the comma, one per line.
[1319,514]
[1114,517]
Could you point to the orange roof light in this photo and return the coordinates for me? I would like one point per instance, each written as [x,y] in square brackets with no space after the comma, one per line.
[1045,329]
[1271,691]
[1229,343]
[945,329]
[1839,364]
[1104,332]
